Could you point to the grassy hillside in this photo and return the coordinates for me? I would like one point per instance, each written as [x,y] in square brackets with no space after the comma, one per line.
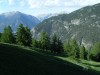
[16,60]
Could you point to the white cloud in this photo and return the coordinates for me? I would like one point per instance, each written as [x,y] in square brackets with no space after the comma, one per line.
[52,2]
[43,3]
[33,4]
[22,2]
[51,5]
[85,2]
[1,1]
[64,3]
[11,2]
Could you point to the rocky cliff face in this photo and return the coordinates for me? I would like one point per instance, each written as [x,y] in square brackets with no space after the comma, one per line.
[82,24]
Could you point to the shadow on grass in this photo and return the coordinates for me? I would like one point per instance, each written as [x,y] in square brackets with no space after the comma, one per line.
[16,60]
[71,66]
[48,52]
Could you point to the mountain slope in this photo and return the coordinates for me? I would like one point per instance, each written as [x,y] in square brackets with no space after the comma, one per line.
[16,60]
[15,18]
[82,24]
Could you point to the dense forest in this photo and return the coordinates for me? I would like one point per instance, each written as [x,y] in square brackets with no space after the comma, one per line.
[52,44]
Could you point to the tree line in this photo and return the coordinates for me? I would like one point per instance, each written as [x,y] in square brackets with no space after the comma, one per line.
[23,37]
[53,44]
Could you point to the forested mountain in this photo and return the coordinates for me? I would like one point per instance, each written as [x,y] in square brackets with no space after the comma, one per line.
[82,24]
[15,18]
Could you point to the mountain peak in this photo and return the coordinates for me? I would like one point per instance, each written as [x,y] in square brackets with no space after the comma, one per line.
[11,13]
[15,18]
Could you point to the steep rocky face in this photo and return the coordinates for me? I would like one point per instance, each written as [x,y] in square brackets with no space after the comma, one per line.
[15,18]
[82,24]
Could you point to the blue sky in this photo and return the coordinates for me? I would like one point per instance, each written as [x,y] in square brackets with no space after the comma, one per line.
[35,7]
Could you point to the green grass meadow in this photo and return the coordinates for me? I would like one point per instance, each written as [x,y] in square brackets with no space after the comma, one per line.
[17,60]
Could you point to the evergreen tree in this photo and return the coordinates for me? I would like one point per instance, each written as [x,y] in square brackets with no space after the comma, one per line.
[0,36]
[95,52]
[44,41]
[56,44]
[35,43]
[88,54]
[7,35]
[82,53]
[28,38]
[24,36]
[59,46]
[74,49]
[67,48]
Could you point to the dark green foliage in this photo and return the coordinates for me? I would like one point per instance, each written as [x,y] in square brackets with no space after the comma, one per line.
[56,44]
[0,36]
[95,52]
[16,60]
[74,49]
[88,55]
[28,37]
[67,48]
[24,36]
[59,46]
[35,43]
[7,35]
[44,41]
[83,53]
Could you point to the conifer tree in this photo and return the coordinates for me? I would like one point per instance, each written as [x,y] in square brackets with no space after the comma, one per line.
[56,44]
[35,43]
[7,35]
[95,52]
[82,53]
[59,46]
[44,41]
[24,36]
[0,36]
[74,49]
[67,48]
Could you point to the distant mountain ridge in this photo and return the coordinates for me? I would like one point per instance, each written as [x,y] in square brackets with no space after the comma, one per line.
[15,18]
[42,17]
[82,24]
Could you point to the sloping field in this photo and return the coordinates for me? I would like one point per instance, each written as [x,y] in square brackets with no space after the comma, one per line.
[16,60]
